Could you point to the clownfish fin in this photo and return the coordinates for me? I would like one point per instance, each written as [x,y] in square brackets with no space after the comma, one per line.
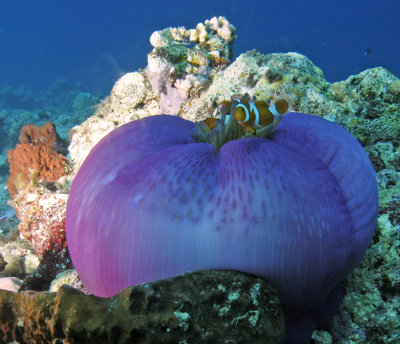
[281,106]
[211,122]
[228,106]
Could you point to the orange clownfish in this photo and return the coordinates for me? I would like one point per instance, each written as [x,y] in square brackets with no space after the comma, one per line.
[210,122]
[251,114]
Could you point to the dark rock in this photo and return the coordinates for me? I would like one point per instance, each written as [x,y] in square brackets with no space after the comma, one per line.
[50,265]
[2,263]
[200,307]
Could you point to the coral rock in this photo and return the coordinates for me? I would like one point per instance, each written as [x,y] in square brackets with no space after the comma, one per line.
[30,163]
[10,283]
[42,221]
[17,255]
[45,135]
[69,277]
[200,307]
[176,70]
[14,267]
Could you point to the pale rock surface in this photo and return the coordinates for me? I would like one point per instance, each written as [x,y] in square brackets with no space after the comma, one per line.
[10,283]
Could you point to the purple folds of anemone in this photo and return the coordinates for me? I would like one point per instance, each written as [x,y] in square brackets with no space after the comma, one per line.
[298,209]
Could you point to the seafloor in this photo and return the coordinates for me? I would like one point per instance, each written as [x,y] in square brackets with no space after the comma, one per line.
[186,80]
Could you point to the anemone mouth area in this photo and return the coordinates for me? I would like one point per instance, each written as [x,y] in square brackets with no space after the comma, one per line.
[227,128]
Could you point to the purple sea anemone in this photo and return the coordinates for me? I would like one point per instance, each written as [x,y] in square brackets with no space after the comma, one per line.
[297,207]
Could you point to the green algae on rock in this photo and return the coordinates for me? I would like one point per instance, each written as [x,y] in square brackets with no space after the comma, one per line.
[195,307]
[370,105]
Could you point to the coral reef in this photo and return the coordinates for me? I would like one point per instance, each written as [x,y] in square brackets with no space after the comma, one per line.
[35,170]
[219,25]
[367,105]
[64,104]
[293,77]
[51,264]
[69,277]
[178,71]
[191,308]
[370,106]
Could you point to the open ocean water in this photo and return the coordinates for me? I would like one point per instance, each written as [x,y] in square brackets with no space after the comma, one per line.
[94,42]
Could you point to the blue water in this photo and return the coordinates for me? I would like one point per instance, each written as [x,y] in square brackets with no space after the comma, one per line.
[94,42]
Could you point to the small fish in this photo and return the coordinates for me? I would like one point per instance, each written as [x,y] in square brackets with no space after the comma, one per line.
[254,114]
[210,122]
[250,113]
[368,51]
[9,213]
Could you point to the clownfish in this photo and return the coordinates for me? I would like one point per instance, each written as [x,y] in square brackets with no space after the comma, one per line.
[251,114]
[254,114]
[210,122]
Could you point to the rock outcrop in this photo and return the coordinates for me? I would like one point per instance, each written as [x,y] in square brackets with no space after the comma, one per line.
[200,307]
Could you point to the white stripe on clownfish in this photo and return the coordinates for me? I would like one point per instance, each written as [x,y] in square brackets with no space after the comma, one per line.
[251,108]
[246,110]
[251,114]
[274,111]
[254,108]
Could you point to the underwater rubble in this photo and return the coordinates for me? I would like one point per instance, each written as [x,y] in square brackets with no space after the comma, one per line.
[189,74]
